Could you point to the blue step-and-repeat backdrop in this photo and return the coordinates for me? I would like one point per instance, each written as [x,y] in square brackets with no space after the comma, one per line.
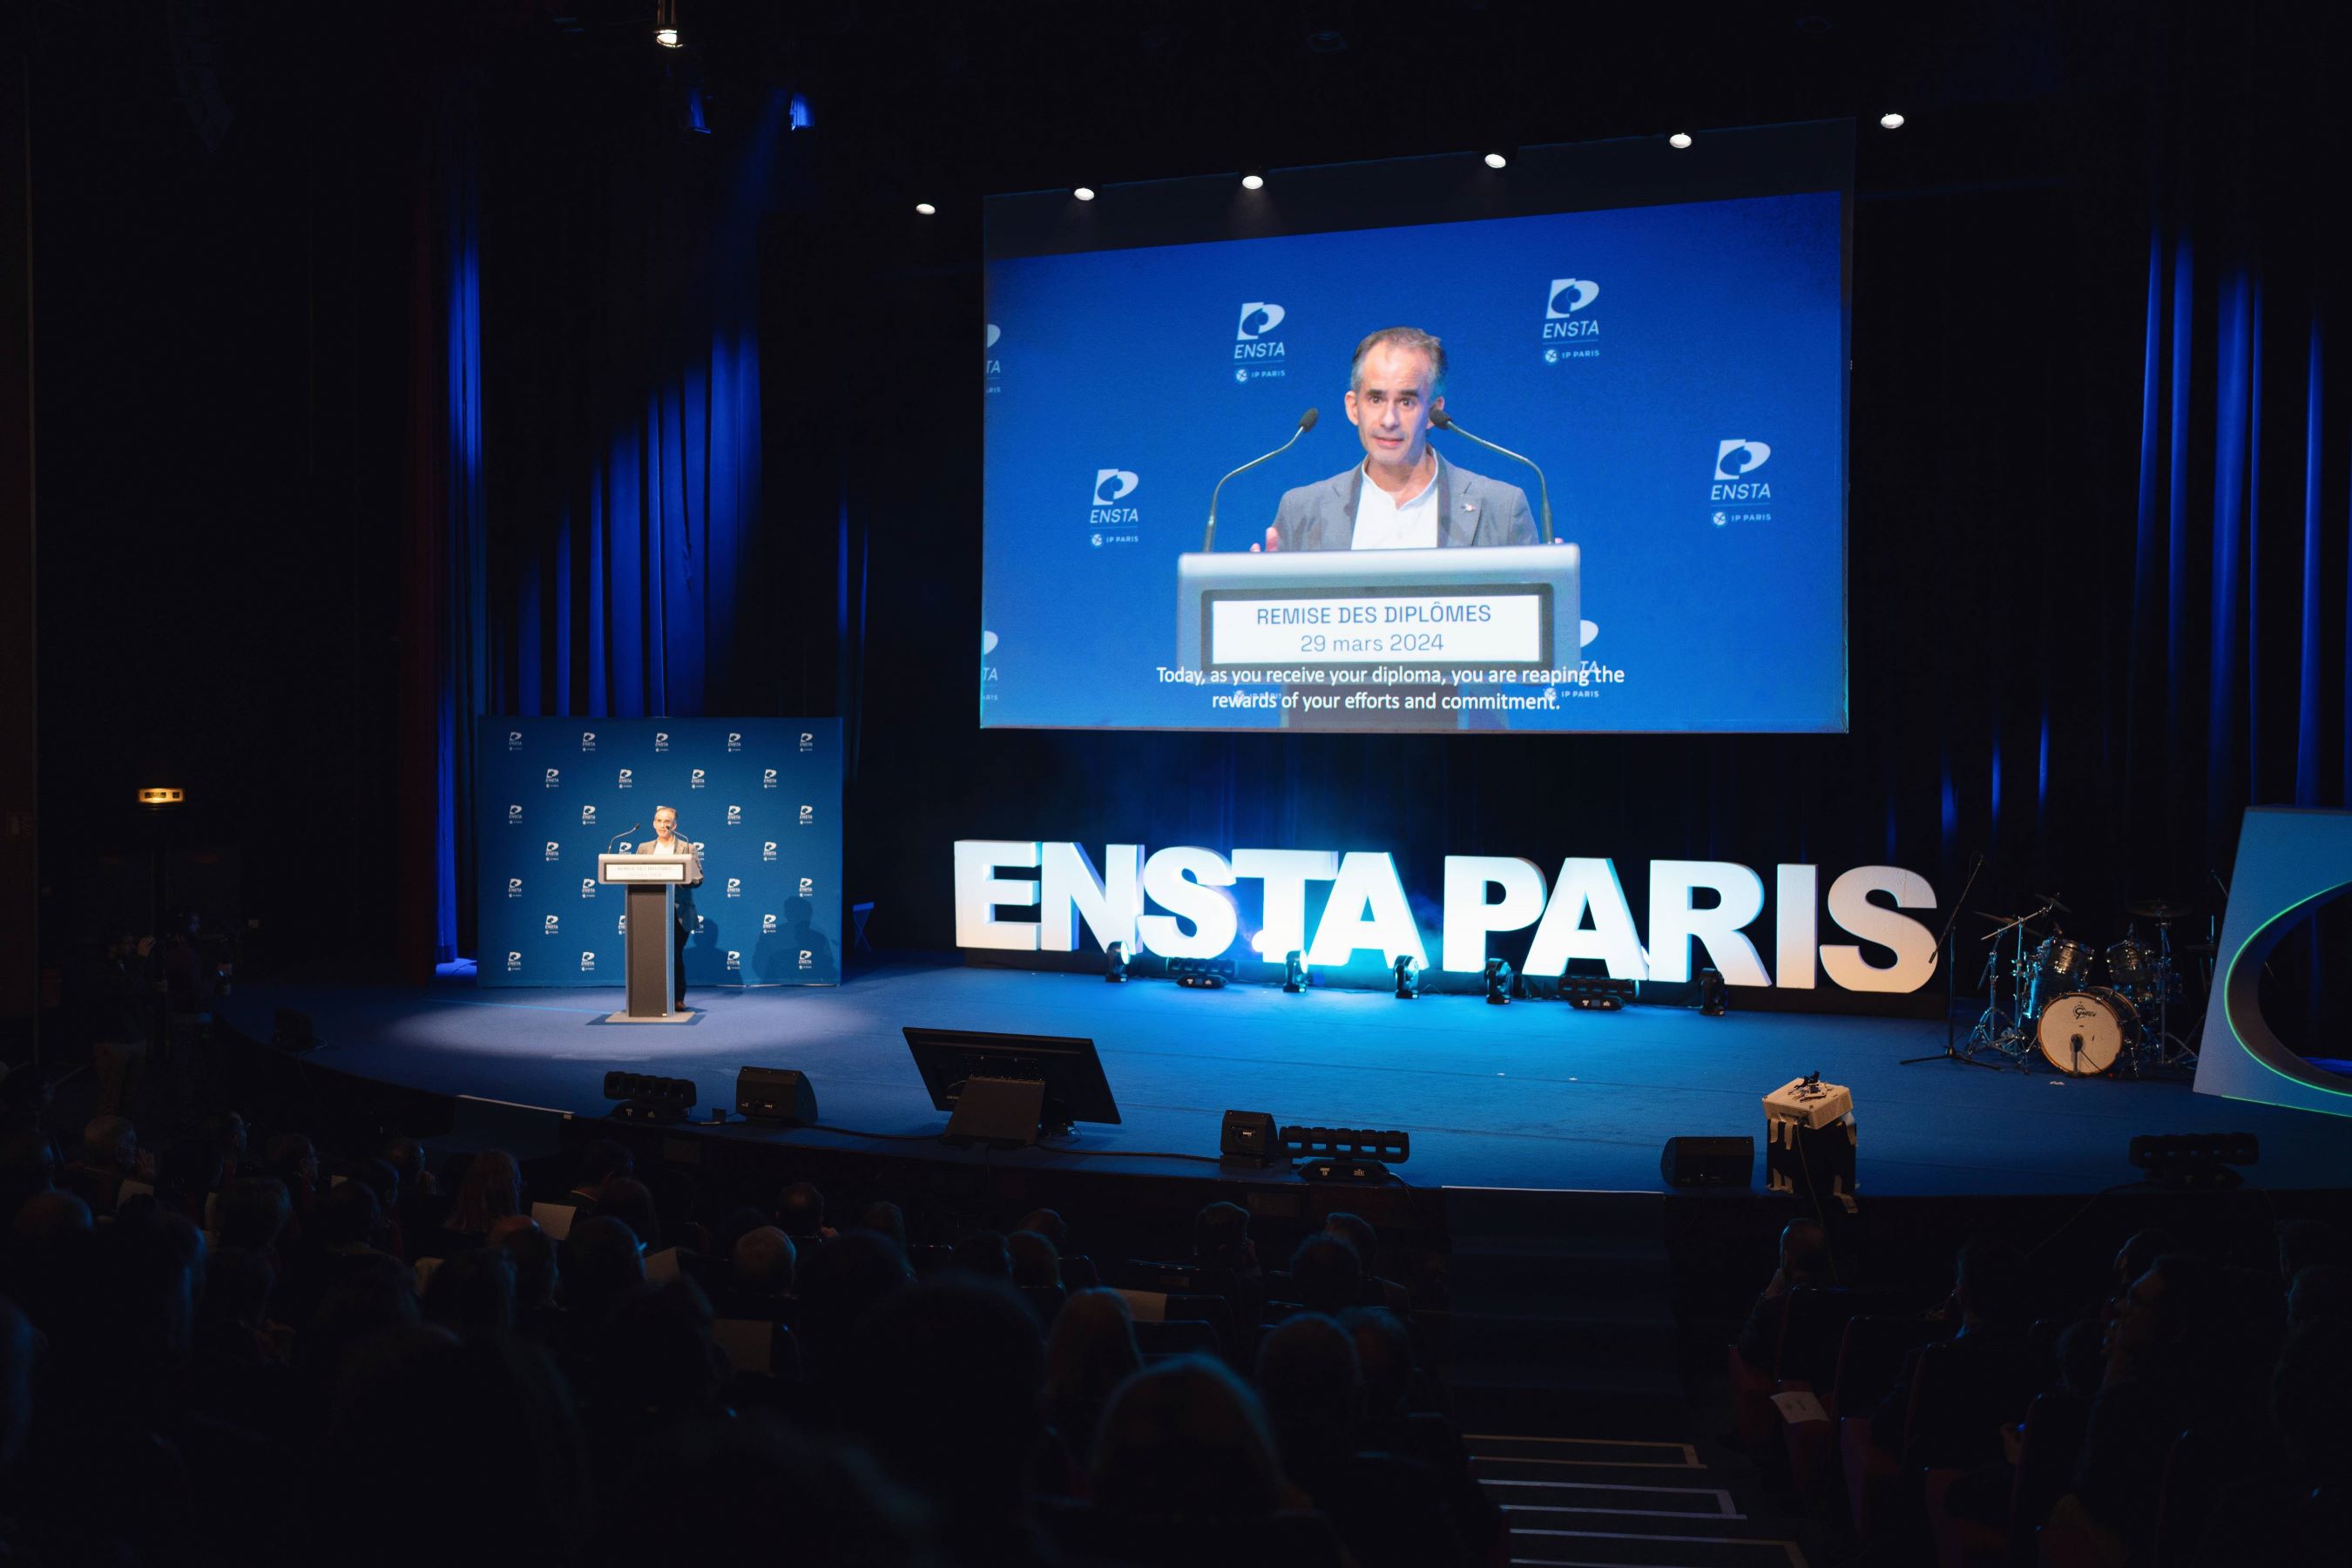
[760,798]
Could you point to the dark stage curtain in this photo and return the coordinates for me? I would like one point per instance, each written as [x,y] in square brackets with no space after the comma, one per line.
[2240,679]
[588,328]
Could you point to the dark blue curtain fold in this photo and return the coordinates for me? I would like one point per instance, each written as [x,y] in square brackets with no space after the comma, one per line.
[601,493]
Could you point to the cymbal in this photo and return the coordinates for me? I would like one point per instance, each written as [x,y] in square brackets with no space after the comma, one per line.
[2158,909]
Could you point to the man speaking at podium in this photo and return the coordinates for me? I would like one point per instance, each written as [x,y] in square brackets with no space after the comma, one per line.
[666,841]
[1402,495]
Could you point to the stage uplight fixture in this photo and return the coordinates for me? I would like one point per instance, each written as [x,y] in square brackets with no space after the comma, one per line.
[926,209]
[1680,140]
[163,797]
[1498,159]
[1714,996]
[2195,1160]
[1294,973]
[645,1096]
[1595,995]
[1891,120]
[1253,181]
[1084,193]
[1114,963]
[1408,984]
[1202,973]
[1498,983]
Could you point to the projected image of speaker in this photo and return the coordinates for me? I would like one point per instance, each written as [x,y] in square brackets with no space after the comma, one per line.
[1008,1089]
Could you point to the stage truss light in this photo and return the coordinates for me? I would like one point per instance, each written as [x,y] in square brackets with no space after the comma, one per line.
[1114,963]
[1408,984]
[1891,120]
[1680,140]
[1253,181]
[1084,193]
[1294,973]
[1498,159]
[926,209]
[1498,983]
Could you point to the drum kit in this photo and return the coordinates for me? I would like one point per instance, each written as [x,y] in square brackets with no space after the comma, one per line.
[2051,1002]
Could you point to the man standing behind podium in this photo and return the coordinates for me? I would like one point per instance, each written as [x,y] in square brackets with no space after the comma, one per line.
[1402,495]
[666,841]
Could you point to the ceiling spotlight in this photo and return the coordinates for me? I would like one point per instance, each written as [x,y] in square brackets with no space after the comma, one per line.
[1498,161]
[665,23]
[1679,140]
[925,209]
[1253,181]
[1892,121]
[1084,193]
[666,36]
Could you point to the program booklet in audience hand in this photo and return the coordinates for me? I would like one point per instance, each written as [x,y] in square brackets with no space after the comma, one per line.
[1798,1407]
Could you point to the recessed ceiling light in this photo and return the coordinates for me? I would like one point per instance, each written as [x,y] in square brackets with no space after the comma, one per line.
[1679,140]
[1084,193]
[1252,182]
[925,209]
[1892,121]
[1497,161]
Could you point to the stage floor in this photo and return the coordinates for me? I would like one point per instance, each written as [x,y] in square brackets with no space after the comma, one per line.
[1535,1095]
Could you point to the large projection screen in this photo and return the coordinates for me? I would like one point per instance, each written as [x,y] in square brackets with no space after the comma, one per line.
[1663,332]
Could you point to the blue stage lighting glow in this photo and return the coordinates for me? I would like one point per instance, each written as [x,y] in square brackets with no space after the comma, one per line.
[801,118]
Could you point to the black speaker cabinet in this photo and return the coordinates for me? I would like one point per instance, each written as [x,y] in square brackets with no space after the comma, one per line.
[1247,1135]
[775,1094]
[1708,1161]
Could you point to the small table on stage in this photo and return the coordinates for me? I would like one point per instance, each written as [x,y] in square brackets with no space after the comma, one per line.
[652,881]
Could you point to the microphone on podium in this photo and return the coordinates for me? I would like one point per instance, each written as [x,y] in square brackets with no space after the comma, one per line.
[1306,422]
[618,836]
[1445,421]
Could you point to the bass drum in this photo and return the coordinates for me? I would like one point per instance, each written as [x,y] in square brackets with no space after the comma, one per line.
[2087,1033]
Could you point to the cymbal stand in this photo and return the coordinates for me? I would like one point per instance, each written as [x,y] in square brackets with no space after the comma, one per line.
[2171,1050]
[2005,1031]
[1952,1051]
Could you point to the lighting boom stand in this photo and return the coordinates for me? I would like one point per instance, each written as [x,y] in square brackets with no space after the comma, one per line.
[1951,1051]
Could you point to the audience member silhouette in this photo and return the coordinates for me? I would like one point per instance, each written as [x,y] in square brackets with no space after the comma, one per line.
[1089,1353]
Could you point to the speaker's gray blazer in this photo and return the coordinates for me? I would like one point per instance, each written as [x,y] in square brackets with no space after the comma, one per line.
[684,902]
[1471,509]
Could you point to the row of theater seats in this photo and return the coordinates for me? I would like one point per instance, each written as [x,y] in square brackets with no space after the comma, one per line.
[1833,1367]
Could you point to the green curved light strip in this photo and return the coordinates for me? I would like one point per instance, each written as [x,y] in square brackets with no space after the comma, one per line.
[2266,937]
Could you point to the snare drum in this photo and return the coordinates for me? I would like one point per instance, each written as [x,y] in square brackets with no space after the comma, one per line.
[2084,1033]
